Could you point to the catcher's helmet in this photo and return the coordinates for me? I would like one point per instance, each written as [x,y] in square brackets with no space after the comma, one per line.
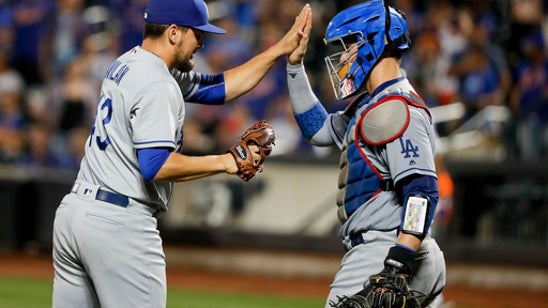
[365,32]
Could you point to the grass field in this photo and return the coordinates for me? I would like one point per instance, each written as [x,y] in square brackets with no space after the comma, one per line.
[26,282]
[36,293]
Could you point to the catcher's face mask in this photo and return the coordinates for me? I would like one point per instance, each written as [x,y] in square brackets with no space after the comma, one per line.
[371,26]
[340,66]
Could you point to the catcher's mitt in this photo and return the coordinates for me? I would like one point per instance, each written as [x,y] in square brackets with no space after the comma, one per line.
[384,290]
[260,134]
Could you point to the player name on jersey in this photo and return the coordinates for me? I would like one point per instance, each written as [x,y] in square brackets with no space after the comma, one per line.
[116,71]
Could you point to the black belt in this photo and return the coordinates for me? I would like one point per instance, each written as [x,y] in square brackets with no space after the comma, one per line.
[353,240]
[111,197]
[386,185]
[356,238]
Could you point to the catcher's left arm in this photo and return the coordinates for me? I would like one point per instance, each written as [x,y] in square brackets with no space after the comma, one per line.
[389,288]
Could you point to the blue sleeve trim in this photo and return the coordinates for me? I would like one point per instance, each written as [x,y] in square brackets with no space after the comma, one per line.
[422,171]
[311,120]
[211,90]
[156,141]
[151,160]
[405,247]
[427,186]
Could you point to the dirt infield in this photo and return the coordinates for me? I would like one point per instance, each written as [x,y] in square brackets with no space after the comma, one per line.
[457,294]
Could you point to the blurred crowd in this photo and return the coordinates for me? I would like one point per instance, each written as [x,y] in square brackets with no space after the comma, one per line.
[53,55]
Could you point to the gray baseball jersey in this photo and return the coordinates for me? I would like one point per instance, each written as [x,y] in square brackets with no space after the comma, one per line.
[411,152]
[141,106]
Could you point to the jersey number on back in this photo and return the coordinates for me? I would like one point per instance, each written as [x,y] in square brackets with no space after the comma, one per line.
[102,117]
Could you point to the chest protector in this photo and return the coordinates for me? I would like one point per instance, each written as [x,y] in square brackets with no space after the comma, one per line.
[376,122]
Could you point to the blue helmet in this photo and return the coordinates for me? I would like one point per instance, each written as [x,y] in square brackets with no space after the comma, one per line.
[362,33]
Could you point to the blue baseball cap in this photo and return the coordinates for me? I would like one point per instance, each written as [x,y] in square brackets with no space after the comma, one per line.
[184,13]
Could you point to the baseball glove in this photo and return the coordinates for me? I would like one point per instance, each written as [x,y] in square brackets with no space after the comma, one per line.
[383,290]
[260,134]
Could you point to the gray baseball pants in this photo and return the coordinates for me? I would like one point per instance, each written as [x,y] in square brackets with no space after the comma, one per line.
[106,255]
[368,259]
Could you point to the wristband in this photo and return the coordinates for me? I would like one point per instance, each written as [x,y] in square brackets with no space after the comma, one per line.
[400,259]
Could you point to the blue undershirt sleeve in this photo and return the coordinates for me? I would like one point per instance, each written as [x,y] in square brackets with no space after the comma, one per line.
[151,160]
[211,90]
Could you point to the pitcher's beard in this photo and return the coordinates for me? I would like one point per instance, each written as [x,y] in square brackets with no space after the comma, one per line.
[186,66]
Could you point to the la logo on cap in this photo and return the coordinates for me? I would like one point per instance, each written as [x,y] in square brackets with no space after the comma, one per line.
[185,13]
[207,10]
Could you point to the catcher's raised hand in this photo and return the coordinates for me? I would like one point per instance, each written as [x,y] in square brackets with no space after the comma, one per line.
[297,55]
[301,28]
[251,150]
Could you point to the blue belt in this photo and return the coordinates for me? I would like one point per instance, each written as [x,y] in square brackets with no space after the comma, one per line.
[111,197]
[102,195]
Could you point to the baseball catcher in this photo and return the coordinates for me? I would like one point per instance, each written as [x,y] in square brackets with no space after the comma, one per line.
[259,138]
[388,185]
